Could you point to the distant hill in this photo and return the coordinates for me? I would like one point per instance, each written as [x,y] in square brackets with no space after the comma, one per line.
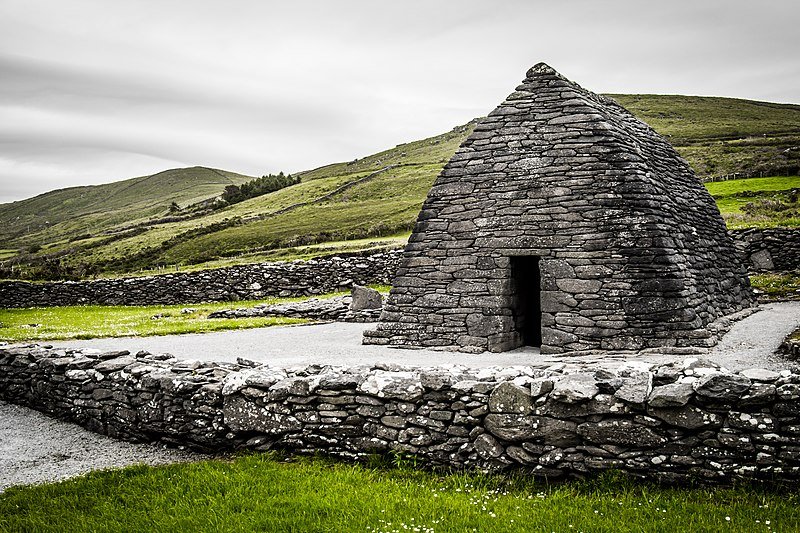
[720,136]
[95,209]
[121,227]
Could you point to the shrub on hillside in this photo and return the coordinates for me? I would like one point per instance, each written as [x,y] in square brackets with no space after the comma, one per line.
[257,187]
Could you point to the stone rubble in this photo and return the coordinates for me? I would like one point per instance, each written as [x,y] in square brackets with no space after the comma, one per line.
[689,420]
[363,305]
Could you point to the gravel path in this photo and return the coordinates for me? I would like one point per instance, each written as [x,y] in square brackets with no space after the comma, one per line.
[334,343]
[750,343]
[37,449]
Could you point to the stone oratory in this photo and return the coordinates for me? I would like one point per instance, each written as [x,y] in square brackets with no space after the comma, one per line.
[564,222]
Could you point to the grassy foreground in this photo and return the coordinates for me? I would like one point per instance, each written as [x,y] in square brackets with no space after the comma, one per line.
[261,493]
[92,321]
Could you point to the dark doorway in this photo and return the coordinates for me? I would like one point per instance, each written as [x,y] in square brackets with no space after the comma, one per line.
[526,298]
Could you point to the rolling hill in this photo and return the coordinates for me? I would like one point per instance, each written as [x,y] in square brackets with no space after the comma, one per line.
[96,209]
[121,228]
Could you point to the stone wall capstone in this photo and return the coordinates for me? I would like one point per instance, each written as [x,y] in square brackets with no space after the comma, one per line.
[680,421]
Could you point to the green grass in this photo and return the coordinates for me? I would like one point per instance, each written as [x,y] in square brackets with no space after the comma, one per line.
[720,136]
[76,211]
[92,321]
[693,118]
[777,286]
[260,493]
[758,202]
[721,189]
[383,206]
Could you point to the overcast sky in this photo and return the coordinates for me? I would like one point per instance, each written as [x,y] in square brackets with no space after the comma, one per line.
[98,91]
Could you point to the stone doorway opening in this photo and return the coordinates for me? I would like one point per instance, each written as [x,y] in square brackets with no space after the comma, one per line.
[526,301]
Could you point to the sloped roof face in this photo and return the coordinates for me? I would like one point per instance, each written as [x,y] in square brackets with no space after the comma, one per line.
[634,253]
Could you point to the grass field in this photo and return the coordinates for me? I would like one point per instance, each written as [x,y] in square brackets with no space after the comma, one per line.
[758,202]
[260,492]
[67,213]
[92,321]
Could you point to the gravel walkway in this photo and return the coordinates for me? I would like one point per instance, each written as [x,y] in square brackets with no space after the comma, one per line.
[750,343]
[36,449]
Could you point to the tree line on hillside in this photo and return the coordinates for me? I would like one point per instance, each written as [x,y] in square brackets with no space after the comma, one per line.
[263,185]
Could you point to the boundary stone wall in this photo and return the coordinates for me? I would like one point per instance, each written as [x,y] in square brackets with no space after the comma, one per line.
[770,249]
[244,282]
[680,421]
[775,249]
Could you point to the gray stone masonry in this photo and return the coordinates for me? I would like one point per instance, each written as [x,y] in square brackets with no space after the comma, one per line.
[338,308]
[632,251]
[689,420]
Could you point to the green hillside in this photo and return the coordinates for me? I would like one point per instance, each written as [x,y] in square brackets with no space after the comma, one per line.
[377,196]
[95,209]
[721,136]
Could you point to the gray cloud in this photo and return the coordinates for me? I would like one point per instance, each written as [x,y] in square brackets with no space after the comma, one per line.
[94,91]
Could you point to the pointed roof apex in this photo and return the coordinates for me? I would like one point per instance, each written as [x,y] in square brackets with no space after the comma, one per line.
[540,69]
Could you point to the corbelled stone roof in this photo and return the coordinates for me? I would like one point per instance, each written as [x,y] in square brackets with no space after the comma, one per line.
[633,251]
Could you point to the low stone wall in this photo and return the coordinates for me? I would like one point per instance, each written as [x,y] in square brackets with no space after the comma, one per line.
[336,309]
[772,249]
[682,421]
[245,282]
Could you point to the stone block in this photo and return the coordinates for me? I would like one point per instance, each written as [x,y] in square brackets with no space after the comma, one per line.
[365,298]
[574,388]
[671,395]
[243,415]
[510,398]
[687,416]
[635,387]
[622,433]
[488,447]
[722,386]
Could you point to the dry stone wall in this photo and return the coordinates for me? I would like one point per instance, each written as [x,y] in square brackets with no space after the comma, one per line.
[338,309]
[689,420]
[771,249]
[245,282]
